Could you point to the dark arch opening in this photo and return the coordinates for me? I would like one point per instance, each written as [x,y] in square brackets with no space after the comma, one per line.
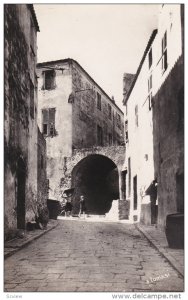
[95,177]
[21,180]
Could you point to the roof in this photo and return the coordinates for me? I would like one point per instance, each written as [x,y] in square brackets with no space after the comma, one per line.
[70,60]
[152,37]
[31,8]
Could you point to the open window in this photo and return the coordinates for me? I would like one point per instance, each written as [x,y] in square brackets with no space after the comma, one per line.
[48,122]
[49,80]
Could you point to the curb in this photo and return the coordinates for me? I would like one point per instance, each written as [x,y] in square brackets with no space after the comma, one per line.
[29,241]
[163,252]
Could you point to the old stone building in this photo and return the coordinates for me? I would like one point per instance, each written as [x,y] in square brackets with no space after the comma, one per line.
[20,127]
[154,126]
[76,114]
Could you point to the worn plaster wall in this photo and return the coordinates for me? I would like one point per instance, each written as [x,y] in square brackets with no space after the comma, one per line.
[76,118]
[168,116]
[20,127]
[154,148]
[60,145]
[139,145]
[86,115]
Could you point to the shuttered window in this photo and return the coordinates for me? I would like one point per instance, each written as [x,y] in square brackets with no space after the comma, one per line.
[48,122]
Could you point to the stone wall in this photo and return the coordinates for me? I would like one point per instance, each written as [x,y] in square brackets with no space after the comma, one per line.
[20,183]
[87,116]
[42,185]
[168,132]
[59,146]
[74,98]
[114,153]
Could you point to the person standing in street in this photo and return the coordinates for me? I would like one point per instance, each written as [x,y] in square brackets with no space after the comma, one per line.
[82,206]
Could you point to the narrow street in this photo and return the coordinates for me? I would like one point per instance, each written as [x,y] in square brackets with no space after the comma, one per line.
[82,256]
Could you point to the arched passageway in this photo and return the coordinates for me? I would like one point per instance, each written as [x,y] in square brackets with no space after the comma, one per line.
[95,177]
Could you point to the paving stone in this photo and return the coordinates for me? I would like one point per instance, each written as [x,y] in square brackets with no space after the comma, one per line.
[80,256]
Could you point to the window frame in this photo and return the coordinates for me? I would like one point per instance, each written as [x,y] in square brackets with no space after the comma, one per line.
[50,130]
[99,106]
[53,83]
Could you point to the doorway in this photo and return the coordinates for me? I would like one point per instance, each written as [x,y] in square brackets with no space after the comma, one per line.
[135,192]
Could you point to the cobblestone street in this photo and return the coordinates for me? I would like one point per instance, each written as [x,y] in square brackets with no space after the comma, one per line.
[81,256]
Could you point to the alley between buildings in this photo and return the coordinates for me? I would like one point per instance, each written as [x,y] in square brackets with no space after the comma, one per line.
[80,256]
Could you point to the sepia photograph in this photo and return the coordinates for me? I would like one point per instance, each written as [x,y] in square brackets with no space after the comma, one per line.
[93,149]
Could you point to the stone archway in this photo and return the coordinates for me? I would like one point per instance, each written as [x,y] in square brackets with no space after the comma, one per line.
[96,177]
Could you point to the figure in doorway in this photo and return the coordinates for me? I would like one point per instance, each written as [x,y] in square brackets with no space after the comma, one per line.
[82,206]
[68,208]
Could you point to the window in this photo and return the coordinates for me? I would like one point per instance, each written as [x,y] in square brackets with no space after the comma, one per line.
[98,101]
[109,111]
[99,136]
[164,53]
[126,131]
[150,58]
[136,115]
[150,92]
[45,129]
[48,122]
[110,139]
[49,80]
[118,121]
[32,105]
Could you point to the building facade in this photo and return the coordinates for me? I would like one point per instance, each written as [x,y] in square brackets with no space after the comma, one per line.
[154,124]
[74,113]
[20,118]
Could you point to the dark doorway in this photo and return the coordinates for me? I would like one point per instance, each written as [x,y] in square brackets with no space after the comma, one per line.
[21,180]
[180,192]
[95,177]
[135,192]
[123,184]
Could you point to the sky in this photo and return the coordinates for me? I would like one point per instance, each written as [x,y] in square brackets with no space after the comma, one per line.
[106,40]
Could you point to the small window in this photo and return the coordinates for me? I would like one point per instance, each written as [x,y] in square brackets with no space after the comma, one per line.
[99,136]
[98,101]
[109,111]
[45,129]
[150,84]
[126,131]
[150,58]
[150,101]
[49,80]
[48,122]
[136,115]
[164,53]
[52,129]
[118,121]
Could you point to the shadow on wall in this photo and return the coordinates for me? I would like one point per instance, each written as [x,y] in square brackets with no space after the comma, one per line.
[95,177]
